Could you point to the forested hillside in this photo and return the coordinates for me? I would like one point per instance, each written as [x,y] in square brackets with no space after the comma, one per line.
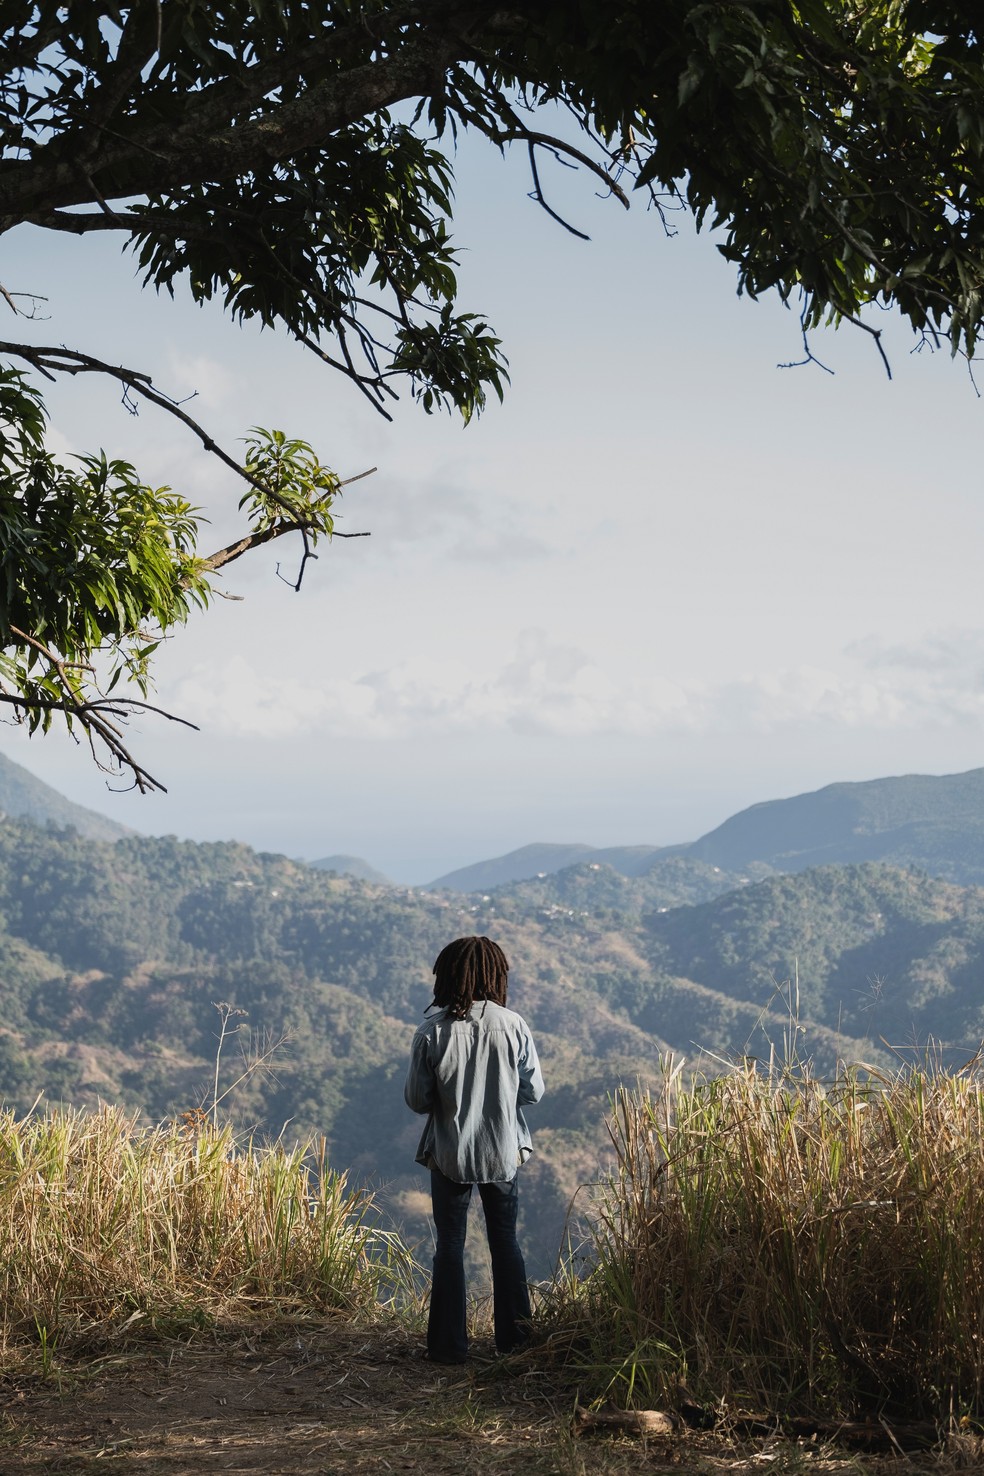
[114,957]
[876,952]
[935,822]
[25,797]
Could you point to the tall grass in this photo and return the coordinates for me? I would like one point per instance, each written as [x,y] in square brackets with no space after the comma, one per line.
[793,1244]
[104,1224]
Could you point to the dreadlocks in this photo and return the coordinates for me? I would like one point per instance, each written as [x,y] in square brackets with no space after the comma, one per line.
[470,969]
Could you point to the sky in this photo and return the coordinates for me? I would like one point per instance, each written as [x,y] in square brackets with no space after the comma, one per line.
[666,580]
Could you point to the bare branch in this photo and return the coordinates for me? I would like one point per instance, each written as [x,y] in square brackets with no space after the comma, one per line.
[347,482]
[371,387]
[519,133]
[560,146]
[233,551]
[538,195]
[47,653]
[242,546]
[876,334]
[308,553]
[94,718]
[68,361]
[809,356]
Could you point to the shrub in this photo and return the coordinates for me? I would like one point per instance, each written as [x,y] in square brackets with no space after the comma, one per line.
[104,1224]
[779,1240]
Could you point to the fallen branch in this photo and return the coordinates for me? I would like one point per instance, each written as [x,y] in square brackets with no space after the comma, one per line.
[625,1421]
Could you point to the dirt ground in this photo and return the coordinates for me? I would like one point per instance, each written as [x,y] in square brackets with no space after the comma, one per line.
[346,1400]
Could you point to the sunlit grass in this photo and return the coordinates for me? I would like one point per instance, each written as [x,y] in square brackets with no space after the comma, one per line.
[107,1226]
[774,1239]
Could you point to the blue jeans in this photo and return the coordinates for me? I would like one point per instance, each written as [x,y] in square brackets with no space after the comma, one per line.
[447,1336]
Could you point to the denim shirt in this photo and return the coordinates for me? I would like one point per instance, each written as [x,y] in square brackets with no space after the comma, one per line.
[471,1077]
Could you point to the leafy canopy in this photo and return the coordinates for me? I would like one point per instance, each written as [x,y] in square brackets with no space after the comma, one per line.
[292,159]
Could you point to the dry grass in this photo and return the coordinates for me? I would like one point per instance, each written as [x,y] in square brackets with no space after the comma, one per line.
[106,1226]
[110,1232]
[774,1240]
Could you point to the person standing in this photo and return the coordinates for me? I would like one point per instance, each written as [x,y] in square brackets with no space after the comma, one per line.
[473,1067]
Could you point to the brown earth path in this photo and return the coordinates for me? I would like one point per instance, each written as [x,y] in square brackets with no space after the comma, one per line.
[343,1400]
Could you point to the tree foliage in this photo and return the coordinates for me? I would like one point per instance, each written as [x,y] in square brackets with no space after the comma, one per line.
[292,159]
[95,566]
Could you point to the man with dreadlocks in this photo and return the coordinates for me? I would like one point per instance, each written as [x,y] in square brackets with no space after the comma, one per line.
[472,1068]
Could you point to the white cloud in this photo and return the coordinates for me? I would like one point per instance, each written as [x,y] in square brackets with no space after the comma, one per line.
[241,701]
[554,688]
[209,383]
[457,523]
[60,445]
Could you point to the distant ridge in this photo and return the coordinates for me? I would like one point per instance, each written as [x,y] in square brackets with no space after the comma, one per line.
[352,866]
[542,860]
[25,797]
[934,823]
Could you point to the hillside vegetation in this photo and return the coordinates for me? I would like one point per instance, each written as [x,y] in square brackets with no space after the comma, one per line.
[921,820]
[116,955]
[25,797]
[804,1246]
[877,952]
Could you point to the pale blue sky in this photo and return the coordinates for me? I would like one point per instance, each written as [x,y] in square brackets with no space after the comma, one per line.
[664,581]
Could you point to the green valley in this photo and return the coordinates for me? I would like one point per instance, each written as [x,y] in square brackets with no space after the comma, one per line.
[115,956]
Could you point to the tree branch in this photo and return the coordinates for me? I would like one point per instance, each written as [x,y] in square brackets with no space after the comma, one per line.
[81,222]
[49,655]
[68,361]
[221,136]
[233,551]
[94,717]
[540,198]
[519,133]
[140,39]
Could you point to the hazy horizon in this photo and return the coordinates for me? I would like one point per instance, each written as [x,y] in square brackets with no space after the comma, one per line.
[401,866]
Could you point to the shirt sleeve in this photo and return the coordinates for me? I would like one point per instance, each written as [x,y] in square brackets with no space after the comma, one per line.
[418,1093]
[530,1078]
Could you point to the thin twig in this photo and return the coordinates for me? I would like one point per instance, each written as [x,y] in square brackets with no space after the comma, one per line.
[810,358]
[537,194]
[309,553]
[94,718]
[876,334]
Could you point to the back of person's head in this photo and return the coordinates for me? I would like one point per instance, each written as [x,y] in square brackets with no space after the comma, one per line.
[470,969]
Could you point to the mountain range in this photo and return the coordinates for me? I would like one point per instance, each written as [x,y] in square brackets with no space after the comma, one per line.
[114,955]
[932,822]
